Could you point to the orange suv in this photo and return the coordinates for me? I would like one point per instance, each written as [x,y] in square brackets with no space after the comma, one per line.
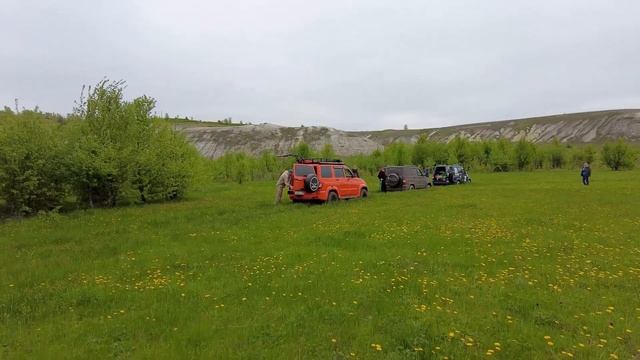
[321,180]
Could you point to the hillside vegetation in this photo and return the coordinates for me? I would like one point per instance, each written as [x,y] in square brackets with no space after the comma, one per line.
[514,265]
[576,129]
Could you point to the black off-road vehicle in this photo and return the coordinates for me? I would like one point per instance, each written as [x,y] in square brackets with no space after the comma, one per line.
[450,174]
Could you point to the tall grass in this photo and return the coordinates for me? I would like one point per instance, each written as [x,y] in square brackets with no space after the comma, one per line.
[514,265]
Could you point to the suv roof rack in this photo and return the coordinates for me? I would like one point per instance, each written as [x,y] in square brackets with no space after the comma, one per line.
[319,160]
[301,160]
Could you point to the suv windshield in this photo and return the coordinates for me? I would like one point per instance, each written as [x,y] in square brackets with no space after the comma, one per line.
[304,170]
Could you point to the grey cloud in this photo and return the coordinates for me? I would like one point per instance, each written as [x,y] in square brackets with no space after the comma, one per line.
[351,65]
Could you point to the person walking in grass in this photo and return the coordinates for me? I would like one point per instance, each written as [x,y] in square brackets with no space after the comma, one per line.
[586,173]
[382,176]
[283,181]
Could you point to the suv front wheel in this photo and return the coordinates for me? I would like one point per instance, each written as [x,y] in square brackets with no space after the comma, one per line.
[364,193]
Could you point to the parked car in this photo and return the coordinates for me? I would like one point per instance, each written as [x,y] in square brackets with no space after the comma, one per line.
[321,180]
[405,178]
[450,174]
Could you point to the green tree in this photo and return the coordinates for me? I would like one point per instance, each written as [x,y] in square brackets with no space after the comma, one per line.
[420,153]
[397,153]
[556,153]
[460,150]
[524,153]
[328,152]
[121,153]
[302,149]
[618,155]
[33,169]
[484,154]
[501,156]
[580,155]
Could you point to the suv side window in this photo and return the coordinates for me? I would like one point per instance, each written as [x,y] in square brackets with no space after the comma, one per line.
[338,171]
[418,172]
[348,173]
[304,170]
[325,171]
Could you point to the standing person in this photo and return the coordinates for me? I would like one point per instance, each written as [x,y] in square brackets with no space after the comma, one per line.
[382,176]
[283,181]
[586,173]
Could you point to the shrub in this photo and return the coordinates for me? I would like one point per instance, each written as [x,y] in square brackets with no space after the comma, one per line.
[121,153]
[556,154]
[302,149]
[580,155]
[460,151]
[32,165]
[500,156]
[327,152]
[524,153]
[618,155]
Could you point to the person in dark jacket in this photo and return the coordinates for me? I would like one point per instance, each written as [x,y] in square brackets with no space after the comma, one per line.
[382,176]
[585,173]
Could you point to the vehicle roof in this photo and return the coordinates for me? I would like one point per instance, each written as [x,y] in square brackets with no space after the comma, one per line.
[320,161]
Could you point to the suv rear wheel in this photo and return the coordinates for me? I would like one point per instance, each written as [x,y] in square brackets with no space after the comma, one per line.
[393,180]
[333,197]
[311,183]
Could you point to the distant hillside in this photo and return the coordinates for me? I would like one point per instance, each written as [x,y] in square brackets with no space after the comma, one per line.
[588,127]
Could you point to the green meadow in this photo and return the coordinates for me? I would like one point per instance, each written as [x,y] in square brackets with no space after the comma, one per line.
[528,265]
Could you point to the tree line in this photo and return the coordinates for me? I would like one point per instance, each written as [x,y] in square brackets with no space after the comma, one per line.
[109,151]
[487,156]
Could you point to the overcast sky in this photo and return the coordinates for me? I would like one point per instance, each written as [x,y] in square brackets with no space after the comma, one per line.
[352,65]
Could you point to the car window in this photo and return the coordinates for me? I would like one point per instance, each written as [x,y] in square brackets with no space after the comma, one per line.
[325,171]
[418,172]
[304,170]
[338,171]
[348,173]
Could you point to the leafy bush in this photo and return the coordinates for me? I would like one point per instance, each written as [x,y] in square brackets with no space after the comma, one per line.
[501,159]
[618,155]
[108,151]
[524,153]
[302,149]
[580,155]
[122,154]
[556,154]
[327,152]
[460,151]
[32,165]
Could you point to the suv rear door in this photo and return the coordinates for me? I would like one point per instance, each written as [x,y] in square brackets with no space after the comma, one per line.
[300,172]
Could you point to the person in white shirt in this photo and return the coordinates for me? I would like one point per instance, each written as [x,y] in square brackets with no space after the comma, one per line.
[283,181]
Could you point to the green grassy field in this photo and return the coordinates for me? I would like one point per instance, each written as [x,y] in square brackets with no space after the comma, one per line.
[512,266]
